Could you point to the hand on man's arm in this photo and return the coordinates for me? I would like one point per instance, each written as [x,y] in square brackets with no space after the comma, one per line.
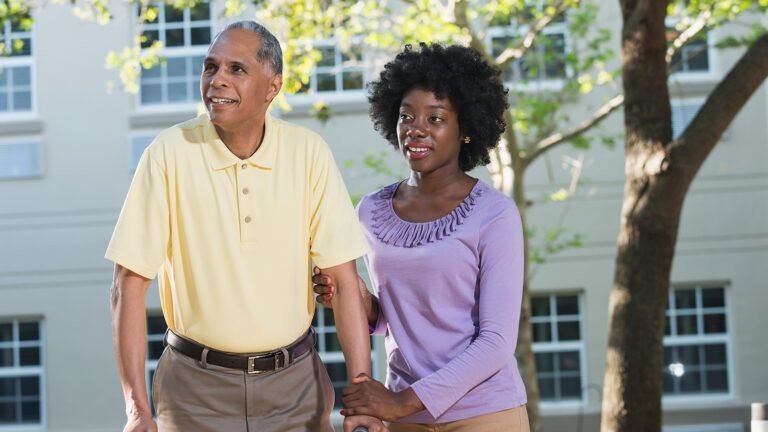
[352,331]
[129,333]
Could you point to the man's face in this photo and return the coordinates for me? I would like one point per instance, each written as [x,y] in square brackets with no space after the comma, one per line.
[235,87]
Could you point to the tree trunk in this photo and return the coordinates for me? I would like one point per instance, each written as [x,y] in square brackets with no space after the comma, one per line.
[658,174]
[526,360]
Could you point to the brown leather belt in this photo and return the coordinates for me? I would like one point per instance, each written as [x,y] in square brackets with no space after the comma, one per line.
[255,363]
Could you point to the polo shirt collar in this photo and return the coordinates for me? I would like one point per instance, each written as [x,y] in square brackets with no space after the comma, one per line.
[221,157]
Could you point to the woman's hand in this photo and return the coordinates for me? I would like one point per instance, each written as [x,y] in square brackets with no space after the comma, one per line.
[325,288]
[370,397]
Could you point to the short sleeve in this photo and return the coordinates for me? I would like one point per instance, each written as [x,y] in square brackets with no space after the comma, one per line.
[335,233]
[141,237]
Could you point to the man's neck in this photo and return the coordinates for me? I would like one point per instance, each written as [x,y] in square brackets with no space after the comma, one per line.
[244,140]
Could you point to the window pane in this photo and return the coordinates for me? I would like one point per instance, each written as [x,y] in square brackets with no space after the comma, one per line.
[540,306]
[326,82]
[151,94]
[29,356]
[21,76]
[690,382]
[332,342]
[714,323]
[714,355]
[177,92]
[155,350]
[328,317]
[712,297]
[717,381]
[154,72]
[201,35]
[22,101]
[338,374]
[3,102]
[686,325]
[6,357]
[173,15]
[570,387]
[327,56]
[547,388]
[174,37]
[554,56]
[685,299]
[30,386]
[176,66]
[542,332]
[568,330]
[545,362]
[352,80]
[568,305]
[667,328]
[669,383]
[6,332]
[7,412]
[150,36]
[155,324]
[201,12]
[29,331]
[7,387]
[697,57]
[19,160]
[30,412]
[569,361]
[688,356]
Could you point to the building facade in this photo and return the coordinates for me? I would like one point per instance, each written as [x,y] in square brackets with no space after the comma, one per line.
[69,144]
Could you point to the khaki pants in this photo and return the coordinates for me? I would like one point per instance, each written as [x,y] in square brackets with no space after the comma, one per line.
[511,420]
[190,398]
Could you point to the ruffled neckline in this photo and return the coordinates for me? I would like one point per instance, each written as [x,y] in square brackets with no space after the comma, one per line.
[390,229]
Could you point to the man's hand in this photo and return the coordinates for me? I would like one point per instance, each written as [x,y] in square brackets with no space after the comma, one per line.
[369,397]
[140,423]
[371,423]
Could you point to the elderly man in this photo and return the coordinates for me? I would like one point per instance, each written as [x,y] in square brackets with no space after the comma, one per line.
[228,209]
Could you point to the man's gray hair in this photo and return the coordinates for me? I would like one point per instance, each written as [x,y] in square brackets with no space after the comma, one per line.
[270,47]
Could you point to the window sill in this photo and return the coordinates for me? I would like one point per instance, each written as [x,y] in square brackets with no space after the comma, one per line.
[698,402]
[21,125]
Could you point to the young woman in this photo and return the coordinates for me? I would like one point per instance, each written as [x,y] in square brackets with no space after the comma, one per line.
[446,253]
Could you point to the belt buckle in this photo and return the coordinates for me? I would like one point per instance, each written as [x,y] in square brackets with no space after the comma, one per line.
[252,362]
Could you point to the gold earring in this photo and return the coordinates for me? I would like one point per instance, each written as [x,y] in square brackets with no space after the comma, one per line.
[466,140]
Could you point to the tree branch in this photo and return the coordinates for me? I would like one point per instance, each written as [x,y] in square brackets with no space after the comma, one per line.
[698,25]
[460,17]
[726,100]
[511,54]
[553,140]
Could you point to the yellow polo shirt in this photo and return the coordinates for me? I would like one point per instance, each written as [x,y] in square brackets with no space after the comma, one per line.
[231,240]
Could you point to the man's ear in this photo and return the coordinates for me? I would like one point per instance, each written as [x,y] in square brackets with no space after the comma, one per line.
[275,84]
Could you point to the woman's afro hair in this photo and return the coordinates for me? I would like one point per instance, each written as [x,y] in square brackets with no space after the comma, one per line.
[458,73]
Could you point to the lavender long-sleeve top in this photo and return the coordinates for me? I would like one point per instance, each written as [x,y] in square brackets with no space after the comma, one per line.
[449,293]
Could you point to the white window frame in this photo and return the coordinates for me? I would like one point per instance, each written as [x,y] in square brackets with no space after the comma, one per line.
[546,84]
[556,346]
[34,141]
[706,427]
[334,356]
[25,371]
[699,340]
[20,61]
[185,51]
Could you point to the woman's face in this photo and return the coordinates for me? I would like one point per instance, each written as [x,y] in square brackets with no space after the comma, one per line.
[428,131]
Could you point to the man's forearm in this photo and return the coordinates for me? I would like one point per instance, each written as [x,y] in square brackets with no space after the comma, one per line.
[130,338]
[351,319]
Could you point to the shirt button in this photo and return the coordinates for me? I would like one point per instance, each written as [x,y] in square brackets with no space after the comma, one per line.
[244,166]
[247,219]
[245,191]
